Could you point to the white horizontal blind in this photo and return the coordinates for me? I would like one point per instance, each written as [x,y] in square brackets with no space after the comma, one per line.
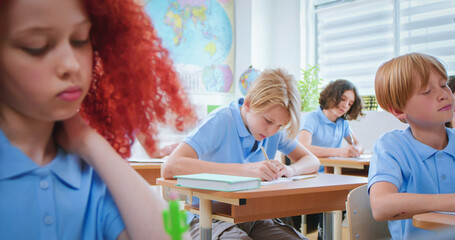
[353,39]
[428,26]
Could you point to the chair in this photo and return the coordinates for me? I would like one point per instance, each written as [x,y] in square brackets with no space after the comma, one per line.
[362,225]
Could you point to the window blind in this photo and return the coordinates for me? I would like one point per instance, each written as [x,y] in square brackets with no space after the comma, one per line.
[428,26]
[354,38]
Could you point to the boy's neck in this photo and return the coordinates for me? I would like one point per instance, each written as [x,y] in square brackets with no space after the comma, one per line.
[243,115]
[435,137]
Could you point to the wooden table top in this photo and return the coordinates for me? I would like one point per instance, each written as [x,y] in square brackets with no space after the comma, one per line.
[149,171]
[324,193]
[137,165]
[358,163]
[433,220]
[322,183]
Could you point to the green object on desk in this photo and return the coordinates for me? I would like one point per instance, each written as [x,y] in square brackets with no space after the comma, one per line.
[175,221]
[211,108]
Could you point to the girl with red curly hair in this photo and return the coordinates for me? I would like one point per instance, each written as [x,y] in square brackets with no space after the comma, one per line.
[62,174]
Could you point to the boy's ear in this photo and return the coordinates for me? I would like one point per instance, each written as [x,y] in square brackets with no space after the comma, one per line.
[398,113]
[247,106]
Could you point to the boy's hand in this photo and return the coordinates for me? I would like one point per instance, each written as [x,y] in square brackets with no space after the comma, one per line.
[167,150]
[288,171]
[265,170]
[350,151]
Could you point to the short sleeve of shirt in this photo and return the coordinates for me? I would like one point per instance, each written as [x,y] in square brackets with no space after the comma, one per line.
[209,134]
[113,223]
[286,146]
[384,166]
[309,122]
[346,128]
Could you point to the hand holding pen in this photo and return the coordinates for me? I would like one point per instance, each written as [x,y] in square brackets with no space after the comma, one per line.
[352,150]
[278,165]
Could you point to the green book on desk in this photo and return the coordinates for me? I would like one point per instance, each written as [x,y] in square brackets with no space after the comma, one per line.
[218,182]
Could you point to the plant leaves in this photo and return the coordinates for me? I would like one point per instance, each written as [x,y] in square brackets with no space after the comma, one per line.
[309,86]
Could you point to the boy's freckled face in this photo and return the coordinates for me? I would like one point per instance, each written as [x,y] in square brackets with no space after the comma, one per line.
[432,104]
[265,124]
[45,58]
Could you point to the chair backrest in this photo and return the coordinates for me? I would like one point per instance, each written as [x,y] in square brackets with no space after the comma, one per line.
[362,225]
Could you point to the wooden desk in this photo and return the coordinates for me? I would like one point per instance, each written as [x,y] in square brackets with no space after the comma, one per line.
[325,193]
[149,171]
[338,163]
[433,221]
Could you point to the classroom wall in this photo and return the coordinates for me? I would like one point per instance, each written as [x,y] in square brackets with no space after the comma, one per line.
[275,34]
[243,25]
[372,126]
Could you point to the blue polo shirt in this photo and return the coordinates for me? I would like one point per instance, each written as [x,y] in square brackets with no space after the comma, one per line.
[64,199]
[325,133]
[412,167]
[223,138]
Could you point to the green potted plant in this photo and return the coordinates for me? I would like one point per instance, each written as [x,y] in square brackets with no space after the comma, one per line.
[309,86]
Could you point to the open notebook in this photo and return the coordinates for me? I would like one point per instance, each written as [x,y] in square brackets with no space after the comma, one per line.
[285,179]
[147,160]
[363,157]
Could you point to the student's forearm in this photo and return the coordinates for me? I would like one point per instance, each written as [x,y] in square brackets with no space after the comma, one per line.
[140,208]
[323,151]
[307,164]
[396,206]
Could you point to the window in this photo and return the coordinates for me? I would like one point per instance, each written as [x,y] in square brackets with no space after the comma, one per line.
[354,38]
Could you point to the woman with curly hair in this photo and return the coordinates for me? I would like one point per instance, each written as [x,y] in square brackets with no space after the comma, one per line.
[78,80]
[323,130]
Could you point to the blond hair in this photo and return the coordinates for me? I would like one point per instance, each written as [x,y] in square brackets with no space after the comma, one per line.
[276,87]
[397,79]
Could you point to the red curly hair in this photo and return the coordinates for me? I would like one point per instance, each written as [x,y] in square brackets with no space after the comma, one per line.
[134,86]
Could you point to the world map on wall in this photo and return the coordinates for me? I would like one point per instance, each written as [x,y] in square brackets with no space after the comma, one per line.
[199,37]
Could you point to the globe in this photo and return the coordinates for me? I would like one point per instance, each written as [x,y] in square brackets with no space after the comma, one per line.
[247,78]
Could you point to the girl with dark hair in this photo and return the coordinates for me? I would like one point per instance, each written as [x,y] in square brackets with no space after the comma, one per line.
[323,130]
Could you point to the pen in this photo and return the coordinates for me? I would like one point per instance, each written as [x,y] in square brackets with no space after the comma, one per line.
[352,139]
[265,154]
[266,158]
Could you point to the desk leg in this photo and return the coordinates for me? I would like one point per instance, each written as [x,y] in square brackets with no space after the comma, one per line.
[327,233]
[337,215]
[303,225]
[337,219]
[205,217]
